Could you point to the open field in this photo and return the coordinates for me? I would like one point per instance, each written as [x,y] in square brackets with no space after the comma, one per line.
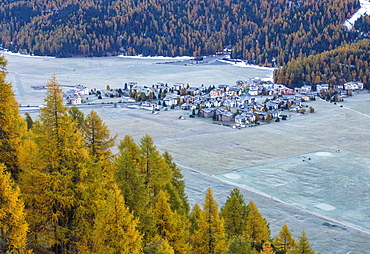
[327,196]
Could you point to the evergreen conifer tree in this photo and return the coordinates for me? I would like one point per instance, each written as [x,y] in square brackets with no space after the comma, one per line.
[284,241]
[29,120]
[115,227]
[77,115]
[176,188]
[171,226]
[11,124]
[256,229]
[97,137]
[194,218]
[58,166]
[13,225]
[210,237]
[241,245]
[132,184]
[152,165]
[303,246]
[158,246]
[235,213]
[267,248]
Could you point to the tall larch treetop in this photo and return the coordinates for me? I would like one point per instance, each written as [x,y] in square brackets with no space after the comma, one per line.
[60,170]
[11,124]
[210,238]
[97,137]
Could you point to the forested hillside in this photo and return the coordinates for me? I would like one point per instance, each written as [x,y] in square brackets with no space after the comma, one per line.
[63,191]
[338,66]
[261,31]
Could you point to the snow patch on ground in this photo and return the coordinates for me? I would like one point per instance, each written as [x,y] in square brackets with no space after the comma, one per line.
[323,154]
[365,9]
[243,64]
[325,207]
[25,55]
[232,176]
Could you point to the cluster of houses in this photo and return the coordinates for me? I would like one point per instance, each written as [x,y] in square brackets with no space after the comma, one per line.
[236,103]
[74,95]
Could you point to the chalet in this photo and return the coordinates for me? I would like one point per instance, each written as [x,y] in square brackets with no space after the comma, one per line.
[322,87]
[231,103]
[242,83]
[234,91]
[211,103]
[187,106]
[302,97]
[73,98]
[131,85]
[178,86]
[295,108]
[278,86]
[286,91]
[224,115]
[268,85]
[148,91]
[193,91]
[207,112]
[82,90]
[258,106]
[158,85]
[272,105]
[256,82]
[224,88]
[245,109]
[338,87]
[274,113]
[260,115]
[245,118]
[169,101]
[187,98]
[215,92]
[306,88]
[353,85]
[253,91]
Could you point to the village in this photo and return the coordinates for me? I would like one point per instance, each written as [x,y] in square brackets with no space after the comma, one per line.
[244,104]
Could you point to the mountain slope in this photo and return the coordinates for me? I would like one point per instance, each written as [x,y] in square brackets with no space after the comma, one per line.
[260,31]
[344,64]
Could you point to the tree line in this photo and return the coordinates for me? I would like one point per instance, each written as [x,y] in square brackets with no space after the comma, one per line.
[260,31]
[347,63]
[62,190]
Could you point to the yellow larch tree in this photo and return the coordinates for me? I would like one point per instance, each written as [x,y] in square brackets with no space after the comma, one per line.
[153,166]
[12,126]
[256,228]
[13,225]
[210,238]
[267,248]
[58,165]
[97,137]
[115,227]
[284,241]
[170,225]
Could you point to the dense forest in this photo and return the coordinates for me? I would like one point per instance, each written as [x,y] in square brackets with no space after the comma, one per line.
[62,190]
[260,31]
[363,25]
[338,66]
